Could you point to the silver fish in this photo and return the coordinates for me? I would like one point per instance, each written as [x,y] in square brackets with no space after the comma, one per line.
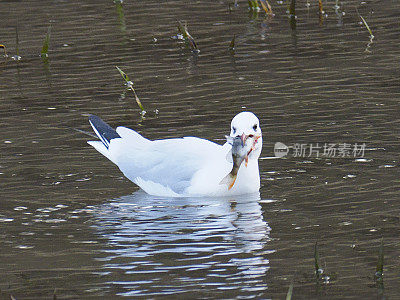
[239,152]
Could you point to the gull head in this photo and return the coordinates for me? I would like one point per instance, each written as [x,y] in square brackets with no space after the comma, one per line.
[247,126]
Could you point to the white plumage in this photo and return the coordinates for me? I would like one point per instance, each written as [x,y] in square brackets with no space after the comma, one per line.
[181,167]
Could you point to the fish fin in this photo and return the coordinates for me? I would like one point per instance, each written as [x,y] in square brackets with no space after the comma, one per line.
[229,180]
[229,156]
[233,182]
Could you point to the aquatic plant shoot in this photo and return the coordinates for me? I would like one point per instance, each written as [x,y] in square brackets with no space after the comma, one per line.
[253,5]
[129,84]
[318,270]
[267,7]
[292,14]
[4,48]
[187,37]
[232,44]
[290,292]
[46,42]
[366,25]
[379,266]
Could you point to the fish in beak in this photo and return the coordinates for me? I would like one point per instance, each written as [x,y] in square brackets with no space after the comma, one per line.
[240,153]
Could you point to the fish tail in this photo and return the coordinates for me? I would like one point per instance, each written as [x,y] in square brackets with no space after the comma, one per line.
[229,180]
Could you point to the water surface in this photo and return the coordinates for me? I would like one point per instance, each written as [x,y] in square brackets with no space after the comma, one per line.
[71,223]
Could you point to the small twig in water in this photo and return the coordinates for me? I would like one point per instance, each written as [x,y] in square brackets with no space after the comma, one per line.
[321,12]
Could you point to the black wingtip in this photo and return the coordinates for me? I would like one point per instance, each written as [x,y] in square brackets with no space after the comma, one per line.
[104,131]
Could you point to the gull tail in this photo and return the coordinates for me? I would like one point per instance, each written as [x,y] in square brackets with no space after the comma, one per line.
[105,133]
[229,180]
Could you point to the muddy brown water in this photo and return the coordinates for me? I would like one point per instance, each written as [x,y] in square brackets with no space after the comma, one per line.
[70,224]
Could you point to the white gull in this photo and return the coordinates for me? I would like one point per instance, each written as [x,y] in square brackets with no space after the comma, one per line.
[182,167]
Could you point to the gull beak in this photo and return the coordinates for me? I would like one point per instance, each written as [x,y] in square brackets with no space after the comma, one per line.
[243,137]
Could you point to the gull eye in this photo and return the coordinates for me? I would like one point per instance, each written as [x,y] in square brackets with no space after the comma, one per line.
[255,127]
[251,136]
[233,130]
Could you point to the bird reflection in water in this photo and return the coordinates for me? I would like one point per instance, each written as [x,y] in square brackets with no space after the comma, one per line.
[183,244]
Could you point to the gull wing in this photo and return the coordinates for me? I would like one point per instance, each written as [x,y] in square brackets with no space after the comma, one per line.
[171,163]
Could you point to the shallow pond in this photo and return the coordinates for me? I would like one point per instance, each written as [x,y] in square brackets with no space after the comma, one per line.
[72,225]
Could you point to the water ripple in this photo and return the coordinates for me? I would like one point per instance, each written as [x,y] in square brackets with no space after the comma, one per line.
[224,239]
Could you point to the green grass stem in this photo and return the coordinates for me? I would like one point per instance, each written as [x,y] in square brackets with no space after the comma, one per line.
[365,24]
[253,5]
[379,265]
[129,83]
[187,37]
[232,44]
[292,14]
[290,292]
[17,40]
[316,261]
[121,16]
[46,42]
